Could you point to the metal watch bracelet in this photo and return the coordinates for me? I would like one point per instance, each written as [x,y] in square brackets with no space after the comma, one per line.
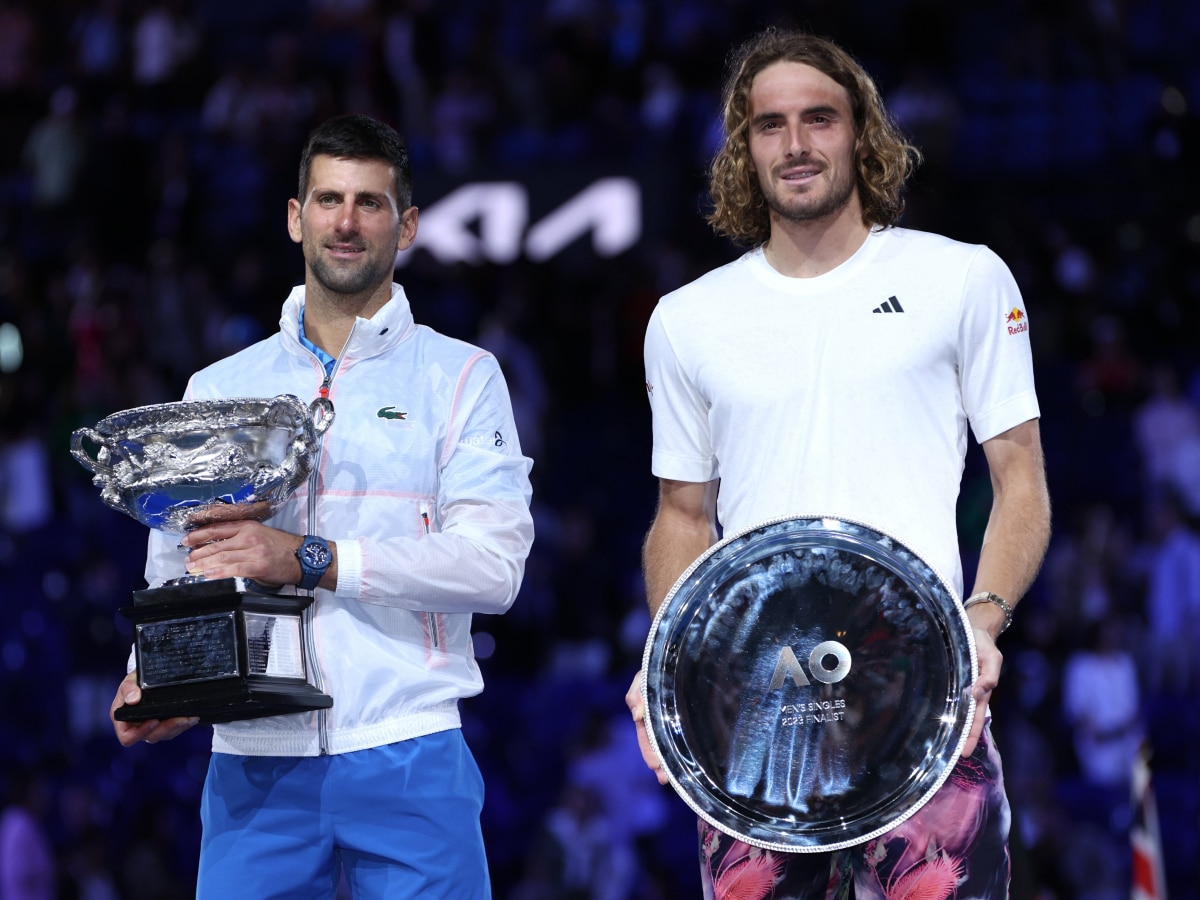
[989,597]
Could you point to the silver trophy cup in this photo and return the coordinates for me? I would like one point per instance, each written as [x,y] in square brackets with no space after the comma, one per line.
[806,684]
[230,648]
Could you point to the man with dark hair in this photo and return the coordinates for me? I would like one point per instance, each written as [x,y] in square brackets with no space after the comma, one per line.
[359,137]
[420,504]
[835,369]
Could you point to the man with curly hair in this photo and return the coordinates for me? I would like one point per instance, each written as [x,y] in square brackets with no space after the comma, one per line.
[835,369]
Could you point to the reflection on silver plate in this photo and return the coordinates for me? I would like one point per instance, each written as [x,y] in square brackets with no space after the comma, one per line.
[807,682]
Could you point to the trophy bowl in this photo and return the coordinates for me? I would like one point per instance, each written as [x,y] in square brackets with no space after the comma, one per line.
[230,648]
[173,466]
[806,684]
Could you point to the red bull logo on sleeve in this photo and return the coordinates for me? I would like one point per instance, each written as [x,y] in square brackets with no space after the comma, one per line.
[1016,321]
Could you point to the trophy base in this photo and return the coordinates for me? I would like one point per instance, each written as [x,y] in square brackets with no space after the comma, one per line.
[251,699]
[220,651]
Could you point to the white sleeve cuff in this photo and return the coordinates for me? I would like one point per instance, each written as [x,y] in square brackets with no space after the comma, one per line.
[350,566]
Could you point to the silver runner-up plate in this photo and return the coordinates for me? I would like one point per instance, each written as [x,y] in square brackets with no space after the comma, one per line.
[807,684]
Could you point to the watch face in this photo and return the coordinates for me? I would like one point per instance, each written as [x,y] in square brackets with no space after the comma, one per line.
[316,555]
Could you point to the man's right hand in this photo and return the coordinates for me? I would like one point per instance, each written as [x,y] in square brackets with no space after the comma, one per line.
[633,699]
[152,730]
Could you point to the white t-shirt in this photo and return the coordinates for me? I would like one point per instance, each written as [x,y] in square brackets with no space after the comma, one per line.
[845,395]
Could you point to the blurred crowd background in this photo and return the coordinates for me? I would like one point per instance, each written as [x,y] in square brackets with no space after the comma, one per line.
[147,151]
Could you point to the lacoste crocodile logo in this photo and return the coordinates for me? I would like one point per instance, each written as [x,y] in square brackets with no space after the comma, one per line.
[390,412]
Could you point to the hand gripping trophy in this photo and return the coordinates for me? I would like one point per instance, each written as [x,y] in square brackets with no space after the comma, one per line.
[229,648]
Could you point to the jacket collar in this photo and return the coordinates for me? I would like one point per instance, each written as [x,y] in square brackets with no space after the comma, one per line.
[370,337]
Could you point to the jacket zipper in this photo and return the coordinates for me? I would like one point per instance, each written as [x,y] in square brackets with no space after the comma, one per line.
[310,613]
[431,621]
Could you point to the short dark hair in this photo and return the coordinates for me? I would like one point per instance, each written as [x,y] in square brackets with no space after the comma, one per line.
[358,137]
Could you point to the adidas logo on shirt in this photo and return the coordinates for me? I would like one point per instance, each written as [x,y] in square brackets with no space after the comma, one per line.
[891,304]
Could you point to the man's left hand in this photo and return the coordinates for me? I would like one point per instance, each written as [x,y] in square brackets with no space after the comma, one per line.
[245,548]
[990,661]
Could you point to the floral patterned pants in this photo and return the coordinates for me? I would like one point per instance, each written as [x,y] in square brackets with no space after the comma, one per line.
[955,846]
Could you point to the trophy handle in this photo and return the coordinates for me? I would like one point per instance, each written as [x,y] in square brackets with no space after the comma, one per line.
[95,466]
[320,417]
[317,421]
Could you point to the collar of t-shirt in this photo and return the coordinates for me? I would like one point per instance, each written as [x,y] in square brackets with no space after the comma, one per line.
[326,360]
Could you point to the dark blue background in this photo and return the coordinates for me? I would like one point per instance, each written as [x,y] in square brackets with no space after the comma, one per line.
[1063,134]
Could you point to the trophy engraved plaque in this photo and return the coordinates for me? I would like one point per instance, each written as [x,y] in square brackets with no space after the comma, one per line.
[807,684]
[230,648]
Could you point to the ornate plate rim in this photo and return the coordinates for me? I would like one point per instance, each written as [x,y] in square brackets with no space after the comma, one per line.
[668,764]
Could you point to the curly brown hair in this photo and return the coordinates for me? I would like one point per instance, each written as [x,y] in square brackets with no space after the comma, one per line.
[739,208]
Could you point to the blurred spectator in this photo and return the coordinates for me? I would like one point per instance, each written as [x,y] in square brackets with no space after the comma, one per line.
[27,867]
[89,867]
[172,318]
[1086,561]
[342,30]
[571,855]
[1170,563]
[463,110]
[146,870]
[1187,478]
[1036,751]
[1164,424]
[411,49]
[55,151]
[635,807]
[98,39]
[284,98]
[1111,373]
[173,187]
[164,40]
[230,107]
[662,101]
[1102,703]
[26,492]
[1091,859]
[19,36]
[927,110]
[1074,269]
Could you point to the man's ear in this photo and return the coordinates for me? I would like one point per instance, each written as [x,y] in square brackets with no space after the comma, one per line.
[408,228]
[295,232]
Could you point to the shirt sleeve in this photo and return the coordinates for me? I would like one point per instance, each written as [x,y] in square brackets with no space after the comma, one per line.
[994,358]
[480,529]
[682,448]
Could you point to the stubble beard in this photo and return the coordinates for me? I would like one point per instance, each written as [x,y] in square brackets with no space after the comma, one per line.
[354,280]
[801,209]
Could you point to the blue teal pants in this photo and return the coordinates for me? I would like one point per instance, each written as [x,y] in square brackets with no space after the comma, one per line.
[402,821]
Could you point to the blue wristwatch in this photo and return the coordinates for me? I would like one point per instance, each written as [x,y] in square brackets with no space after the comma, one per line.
[315,556]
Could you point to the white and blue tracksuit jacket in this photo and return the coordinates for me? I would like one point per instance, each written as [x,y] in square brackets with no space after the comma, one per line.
[421,482]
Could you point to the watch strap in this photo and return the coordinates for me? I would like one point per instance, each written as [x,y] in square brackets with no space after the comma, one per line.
[996,600]
[310,575]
